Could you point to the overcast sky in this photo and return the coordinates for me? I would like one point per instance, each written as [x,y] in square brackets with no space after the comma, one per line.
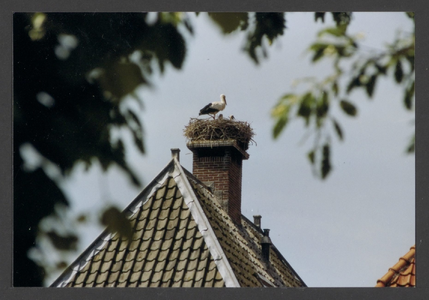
[345,231]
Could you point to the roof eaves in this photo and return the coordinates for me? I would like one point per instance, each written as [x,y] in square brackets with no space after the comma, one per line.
[204,226]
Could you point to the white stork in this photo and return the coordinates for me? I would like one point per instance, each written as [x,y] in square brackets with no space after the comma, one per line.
[214,107]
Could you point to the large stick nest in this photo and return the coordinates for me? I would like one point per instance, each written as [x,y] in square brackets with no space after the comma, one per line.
[219,129]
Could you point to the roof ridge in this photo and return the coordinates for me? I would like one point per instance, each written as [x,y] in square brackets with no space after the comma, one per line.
[204,226]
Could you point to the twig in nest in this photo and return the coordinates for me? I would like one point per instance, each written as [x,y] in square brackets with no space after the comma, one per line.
[219,129]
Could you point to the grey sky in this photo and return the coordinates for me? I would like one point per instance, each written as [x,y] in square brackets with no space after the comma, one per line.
[342,232]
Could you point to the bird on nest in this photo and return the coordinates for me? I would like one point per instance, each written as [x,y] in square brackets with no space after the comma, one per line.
[213,108]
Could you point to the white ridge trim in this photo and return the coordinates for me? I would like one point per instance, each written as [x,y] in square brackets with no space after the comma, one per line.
[204,226]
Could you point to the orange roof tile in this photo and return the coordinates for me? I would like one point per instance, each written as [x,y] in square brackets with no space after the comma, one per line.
[402,274]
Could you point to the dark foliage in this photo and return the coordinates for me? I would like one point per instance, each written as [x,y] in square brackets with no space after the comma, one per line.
[66,111]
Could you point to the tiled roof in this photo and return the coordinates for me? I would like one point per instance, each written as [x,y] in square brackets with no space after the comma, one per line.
[242,247]
[402,274]
[182,238]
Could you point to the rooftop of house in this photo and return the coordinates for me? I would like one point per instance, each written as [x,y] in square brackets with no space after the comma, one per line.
[182,237]
[402,274]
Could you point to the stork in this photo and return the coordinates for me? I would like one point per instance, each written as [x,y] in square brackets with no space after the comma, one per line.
[214,107]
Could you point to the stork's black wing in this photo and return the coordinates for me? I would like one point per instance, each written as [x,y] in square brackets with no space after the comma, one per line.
[208,109]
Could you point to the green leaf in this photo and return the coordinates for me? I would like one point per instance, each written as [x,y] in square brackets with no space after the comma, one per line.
[323,105]
[411,145]
[134,118]
[325,167]
[138,139]
[335,88]
[61,265]
[311,157]
[348,108]
[342,18]
[269,25]
[410,59]
[354,83]
[335,31]
[137,130]
[370,85]
[381,69]
[283,106]
[121,79]
[318,55]
[408,99]
[280,126]
[229,22]
[399,73]
[305,107]
[317,46]
[338,129]
[82,218]
[68,242]
[319,15]
[287,96]
[116,221]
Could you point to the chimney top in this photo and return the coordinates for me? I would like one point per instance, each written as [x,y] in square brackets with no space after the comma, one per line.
[257,220]
[266,245]
[210,146]
[175,153]
[266,238]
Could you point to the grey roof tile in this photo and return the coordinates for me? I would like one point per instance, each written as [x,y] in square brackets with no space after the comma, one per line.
[169,248]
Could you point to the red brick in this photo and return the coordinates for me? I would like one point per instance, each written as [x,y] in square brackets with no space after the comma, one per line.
[223,167]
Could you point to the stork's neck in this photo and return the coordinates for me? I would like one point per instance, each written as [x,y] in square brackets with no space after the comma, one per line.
[223,99]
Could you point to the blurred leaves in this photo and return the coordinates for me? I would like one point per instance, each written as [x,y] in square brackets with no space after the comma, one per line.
[399,73]
[305,107]
[314,108]
[71,74]
[409,95]
[266,25]
[120,79]
[117,222]
[67,242]
[35,196]
[348,108]
[310,156]
[411,145]
[230,22]
[338,129]
[353,69]
[326,161]
[340,18]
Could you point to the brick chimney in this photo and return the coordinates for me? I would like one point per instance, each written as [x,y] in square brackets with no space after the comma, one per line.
[218,164]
